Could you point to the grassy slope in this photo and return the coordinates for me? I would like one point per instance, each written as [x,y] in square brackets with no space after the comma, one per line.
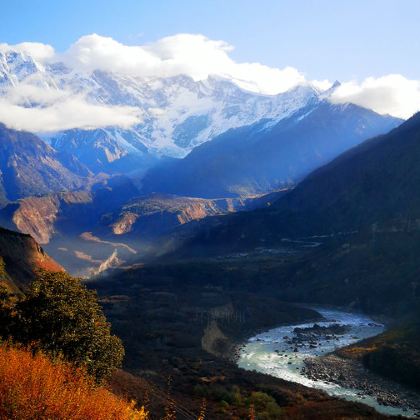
[394,354]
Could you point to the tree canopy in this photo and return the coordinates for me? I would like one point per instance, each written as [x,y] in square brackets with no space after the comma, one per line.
[60,316]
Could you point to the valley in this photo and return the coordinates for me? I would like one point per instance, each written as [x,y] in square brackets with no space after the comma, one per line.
[185,280]
[345,261]
[185,320]
[83,229]
[189,237]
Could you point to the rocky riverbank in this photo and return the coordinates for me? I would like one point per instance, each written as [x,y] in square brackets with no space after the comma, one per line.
[305,354]
[351,374]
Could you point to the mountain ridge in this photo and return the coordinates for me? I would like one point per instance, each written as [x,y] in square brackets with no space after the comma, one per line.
[178,112]
[329,202]
[31,167]
[266,156]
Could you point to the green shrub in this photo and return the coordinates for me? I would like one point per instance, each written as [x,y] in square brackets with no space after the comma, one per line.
[59,315]
[266,407]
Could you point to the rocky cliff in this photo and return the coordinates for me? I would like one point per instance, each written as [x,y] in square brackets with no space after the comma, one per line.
[21,256]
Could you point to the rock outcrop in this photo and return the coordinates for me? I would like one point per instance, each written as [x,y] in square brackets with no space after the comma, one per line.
[21,256]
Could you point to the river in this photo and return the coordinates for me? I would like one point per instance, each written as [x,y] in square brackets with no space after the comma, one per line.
[282,352]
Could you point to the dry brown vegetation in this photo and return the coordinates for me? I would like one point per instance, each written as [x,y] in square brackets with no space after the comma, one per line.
[33,387]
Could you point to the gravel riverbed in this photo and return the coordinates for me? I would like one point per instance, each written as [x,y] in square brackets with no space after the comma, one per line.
[304,354]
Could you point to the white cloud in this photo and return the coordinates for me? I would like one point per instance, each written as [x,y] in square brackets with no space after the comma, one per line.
[392,94]
[189,54]
[193,55]
[55,110]
[322,84]
[33,106]
[26,94]
[38,51]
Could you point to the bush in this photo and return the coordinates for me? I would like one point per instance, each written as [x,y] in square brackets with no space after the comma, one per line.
[60,316]
[32,387]
[265,406]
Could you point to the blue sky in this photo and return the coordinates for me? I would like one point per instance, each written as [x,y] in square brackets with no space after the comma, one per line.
[323,39]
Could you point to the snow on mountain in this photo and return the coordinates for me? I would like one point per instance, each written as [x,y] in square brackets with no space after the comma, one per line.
[178,113]
[107,150]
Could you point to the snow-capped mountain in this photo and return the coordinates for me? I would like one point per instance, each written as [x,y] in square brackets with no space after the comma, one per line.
[178,113]
[268,155]
[15,67]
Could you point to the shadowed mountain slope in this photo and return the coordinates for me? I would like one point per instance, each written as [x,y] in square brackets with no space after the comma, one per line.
[374,186]
[267,155]
[20,258]
[30,167]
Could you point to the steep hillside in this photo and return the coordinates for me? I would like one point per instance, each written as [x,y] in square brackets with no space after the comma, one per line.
[20,257]
[30,167]
[358,218]
[101,150]
[84,229]
[373,183]
[268,155]
[63,222]
[67,212]
[29,381]
[373,186]
[155,214]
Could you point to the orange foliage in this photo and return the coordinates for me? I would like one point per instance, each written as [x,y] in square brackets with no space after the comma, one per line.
[33,387]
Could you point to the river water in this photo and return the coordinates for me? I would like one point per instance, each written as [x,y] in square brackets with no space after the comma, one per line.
[276,353]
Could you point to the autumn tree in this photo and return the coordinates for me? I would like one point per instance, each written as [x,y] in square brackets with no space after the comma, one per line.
[60,316]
